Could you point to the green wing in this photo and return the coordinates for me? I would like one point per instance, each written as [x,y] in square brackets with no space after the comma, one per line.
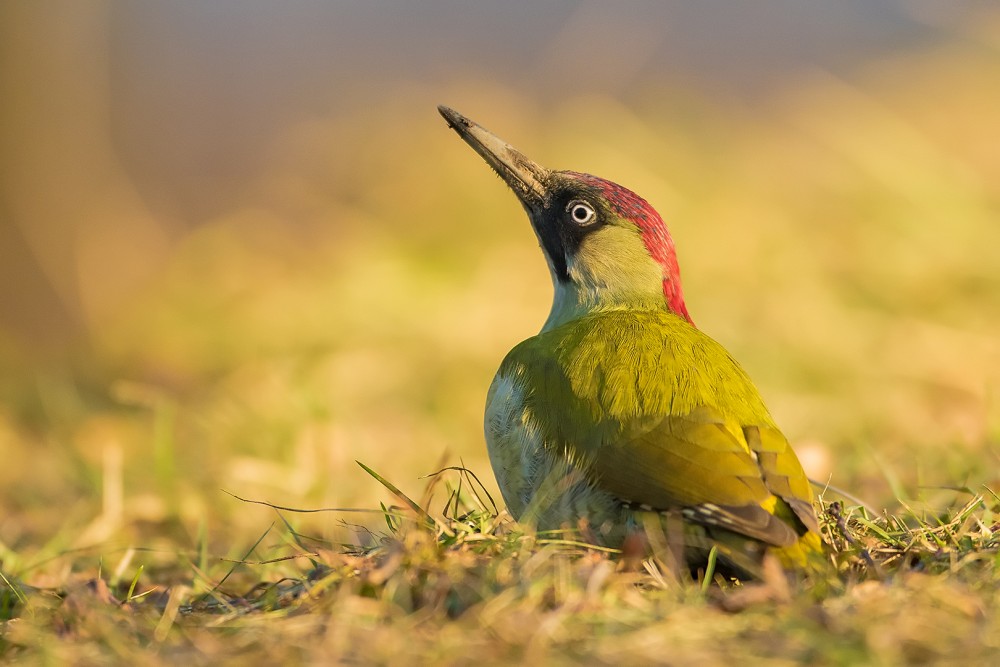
[782,472]
[697,462]
[664,418]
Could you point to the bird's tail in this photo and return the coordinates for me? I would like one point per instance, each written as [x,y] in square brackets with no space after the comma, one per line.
[743,558]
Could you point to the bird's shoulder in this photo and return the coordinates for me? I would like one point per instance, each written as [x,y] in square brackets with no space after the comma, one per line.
[636,363]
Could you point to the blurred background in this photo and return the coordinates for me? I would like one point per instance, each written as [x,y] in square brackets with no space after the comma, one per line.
[239,249]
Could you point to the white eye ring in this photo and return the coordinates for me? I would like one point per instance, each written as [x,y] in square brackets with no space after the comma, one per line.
[581,212]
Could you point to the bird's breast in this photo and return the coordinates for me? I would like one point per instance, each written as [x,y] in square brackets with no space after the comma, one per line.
[540,482]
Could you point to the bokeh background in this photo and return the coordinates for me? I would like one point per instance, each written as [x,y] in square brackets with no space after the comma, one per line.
[239,249]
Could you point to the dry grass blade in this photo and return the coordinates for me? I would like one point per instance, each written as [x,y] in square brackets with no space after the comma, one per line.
[417,509]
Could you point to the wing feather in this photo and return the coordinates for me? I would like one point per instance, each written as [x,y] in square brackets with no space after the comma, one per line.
[663,417]
[713,476]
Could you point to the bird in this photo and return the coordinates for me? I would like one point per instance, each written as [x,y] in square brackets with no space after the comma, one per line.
[620,411]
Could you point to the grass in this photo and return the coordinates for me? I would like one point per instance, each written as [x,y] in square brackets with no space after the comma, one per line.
[840,239]
[449,580]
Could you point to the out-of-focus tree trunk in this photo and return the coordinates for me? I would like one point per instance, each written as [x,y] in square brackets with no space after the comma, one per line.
[75,239]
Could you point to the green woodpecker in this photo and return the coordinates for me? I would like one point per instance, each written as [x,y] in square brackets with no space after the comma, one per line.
[620,410]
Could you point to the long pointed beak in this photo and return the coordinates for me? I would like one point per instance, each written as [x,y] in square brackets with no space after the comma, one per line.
[526,178]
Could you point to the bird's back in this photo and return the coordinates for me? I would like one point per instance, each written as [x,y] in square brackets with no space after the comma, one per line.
[626,410]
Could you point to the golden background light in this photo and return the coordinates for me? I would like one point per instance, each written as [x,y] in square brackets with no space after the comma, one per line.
[239,248]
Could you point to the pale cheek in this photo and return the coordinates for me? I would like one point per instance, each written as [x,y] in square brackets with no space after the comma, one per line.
[616,265]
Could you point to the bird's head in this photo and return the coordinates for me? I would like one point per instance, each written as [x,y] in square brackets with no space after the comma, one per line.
[606,247]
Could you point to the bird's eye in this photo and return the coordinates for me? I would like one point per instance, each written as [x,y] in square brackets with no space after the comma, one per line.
[581,212]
